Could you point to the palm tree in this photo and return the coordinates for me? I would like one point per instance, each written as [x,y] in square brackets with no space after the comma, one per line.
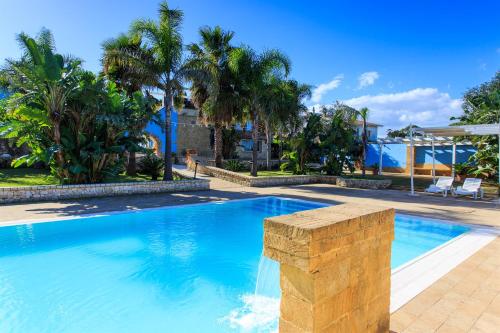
[283,106]
[129,78]
[213,87]
[45,81]
[160,63]
[274,102]
[254,72]
[126,76]
[282,102]
[363,114]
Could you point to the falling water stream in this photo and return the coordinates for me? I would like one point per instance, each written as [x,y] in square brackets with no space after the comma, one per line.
[268,278]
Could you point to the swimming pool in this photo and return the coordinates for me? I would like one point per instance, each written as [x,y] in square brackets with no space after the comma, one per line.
[175,269]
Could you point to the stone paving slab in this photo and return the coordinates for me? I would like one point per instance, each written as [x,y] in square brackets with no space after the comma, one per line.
[467,299]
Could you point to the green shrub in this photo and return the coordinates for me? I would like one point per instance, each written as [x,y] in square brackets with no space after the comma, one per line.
[293,164]
[151,165]
[234,165]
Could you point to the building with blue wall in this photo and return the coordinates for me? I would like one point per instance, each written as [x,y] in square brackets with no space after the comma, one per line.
[396,157]
[393,156]
[157,133]
[186,132]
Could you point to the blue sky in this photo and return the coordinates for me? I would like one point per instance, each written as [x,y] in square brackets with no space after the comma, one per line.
[408,61]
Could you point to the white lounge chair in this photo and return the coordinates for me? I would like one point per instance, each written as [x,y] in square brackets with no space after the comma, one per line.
[443,185]
[471,186]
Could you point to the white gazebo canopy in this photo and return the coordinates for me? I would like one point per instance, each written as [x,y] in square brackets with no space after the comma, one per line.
[439,136]
[445,135]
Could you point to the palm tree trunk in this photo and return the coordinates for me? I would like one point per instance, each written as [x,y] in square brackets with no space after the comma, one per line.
[363,154]
[132,164]
[255,146]
[280,153]
[168,104]
[269,144]
[59,152]
[218,145]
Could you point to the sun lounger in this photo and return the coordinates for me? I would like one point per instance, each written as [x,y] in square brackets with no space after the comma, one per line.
[471,186]
[443,185]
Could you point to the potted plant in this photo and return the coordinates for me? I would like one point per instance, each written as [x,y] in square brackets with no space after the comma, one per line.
[375,169]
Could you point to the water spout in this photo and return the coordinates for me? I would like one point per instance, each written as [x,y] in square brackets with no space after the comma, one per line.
[268,278]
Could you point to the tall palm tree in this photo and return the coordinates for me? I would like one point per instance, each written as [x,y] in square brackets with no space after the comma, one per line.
[363,114]
[213,87]
[254,72]
[160,63]
[283,106]
[129,78]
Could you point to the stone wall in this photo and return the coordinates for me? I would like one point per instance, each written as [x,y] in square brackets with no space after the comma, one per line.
[374,184]
[192,135]
[245,180]
[58,192]
[335,268]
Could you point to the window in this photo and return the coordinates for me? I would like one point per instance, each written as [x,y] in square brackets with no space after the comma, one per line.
[247,144]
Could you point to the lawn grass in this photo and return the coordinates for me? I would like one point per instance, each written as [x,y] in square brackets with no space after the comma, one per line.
[26,177]
[34,177]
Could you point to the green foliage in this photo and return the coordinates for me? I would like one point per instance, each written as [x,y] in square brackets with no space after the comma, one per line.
[82,126]
[402,133]
[330,135]
[254,73]
[213,84]
[78,124]
[151,165]
[292,164]
[160,62]
[230,139]
[339,139]
[482,106]
[234,165]
[363,115]
[306,146]
[463,168]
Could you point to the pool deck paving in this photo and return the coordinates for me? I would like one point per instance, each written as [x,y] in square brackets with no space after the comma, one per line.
[467,299]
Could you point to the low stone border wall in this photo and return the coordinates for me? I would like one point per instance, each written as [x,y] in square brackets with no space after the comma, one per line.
[291,180]
[245,180]
[58,192]
[374,184]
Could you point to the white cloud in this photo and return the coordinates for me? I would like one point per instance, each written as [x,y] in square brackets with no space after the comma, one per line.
[367,79]
[326,87]
[421,106]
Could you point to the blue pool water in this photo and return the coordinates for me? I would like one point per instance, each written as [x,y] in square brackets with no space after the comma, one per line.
[178,269]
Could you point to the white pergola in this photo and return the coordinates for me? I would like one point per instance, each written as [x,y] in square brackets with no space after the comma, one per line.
[443,135]
[438,136]
[423,141]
